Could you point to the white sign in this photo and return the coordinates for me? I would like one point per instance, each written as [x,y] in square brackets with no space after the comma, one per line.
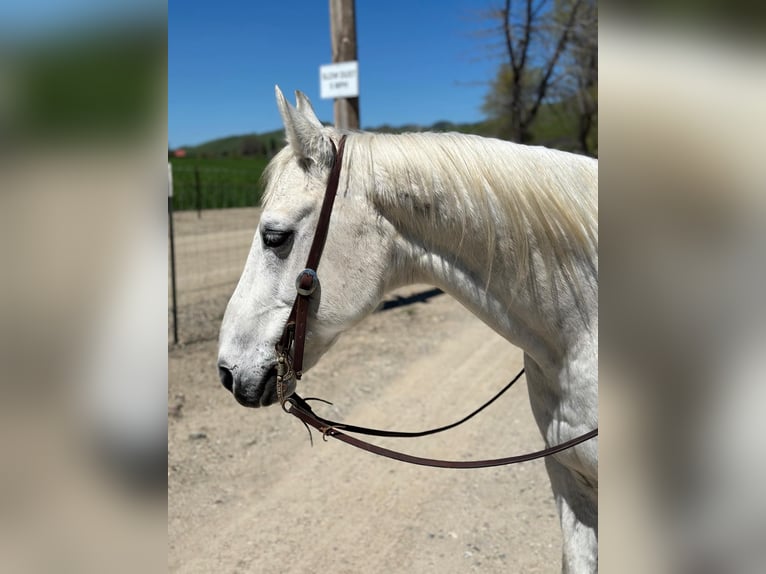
[339,80]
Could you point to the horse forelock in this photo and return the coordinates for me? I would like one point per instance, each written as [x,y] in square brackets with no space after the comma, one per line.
[271,174]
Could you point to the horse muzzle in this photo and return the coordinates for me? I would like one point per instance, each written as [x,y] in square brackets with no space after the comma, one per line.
[249,391]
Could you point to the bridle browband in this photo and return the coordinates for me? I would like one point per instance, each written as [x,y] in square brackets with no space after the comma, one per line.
[294,335]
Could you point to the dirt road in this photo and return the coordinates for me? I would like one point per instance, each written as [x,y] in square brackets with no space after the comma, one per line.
[247,492]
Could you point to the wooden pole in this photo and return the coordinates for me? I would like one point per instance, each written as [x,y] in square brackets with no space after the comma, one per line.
[343,41]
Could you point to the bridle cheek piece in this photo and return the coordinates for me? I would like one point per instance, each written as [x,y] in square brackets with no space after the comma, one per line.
[294,332]
[291,367]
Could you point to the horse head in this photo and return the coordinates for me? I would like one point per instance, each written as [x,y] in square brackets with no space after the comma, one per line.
[351,274]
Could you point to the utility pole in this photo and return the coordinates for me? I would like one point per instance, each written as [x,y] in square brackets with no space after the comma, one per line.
[343,41]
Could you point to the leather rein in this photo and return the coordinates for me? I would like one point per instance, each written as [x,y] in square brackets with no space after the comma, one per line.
[291,367]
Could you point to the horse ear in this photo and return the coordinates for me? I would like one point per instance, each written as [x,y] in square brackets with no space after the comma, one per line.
[305,136]
[304,106]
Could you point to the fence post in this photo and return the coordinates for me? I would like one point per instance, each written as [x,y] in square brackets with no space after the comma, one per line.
[172,253]
[198,188]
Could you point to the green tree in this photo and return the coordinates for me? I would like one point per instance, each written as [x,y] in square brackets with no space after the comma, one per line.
[251,145]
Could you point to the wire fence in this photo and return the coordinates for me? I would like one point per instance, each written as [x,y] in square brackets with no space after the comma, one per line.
[213,216]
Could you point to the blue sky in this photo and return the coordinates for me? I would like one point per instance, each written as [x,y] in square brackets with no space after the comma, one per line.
[37,18]
[419,62]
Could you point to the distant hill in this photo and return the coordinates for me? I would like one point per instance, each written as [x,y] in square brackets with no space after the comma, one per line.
[265,144]
[268,143]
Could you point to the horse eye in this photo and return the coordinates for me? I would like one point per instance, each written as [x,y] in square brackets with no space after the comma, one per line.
[273,238]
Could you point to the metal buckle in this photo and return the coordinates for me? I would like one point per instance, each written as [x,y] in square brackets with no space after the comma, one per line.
[314,282]
[284,375]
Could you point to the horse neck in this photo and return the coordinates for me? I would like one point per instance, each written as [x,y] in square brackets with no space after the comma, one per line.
[442,243]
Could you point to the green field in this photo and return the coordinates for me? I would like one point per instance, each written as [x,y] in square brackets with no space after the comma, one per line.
[200,183]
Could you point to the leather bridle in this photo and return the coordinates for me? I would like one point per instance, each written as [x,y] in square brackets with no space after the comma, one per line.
[294,335]
[294,332]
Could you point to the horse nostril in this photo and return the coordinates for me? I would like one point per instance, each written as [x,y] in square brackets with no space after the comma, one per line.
[226,376]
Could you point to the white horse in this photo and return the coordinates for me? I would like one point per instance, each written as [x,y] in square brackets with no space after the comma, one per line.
[510,231]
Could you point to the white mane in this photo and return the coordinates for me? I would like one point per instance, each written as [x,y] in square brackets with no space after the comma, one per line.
[449,184]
